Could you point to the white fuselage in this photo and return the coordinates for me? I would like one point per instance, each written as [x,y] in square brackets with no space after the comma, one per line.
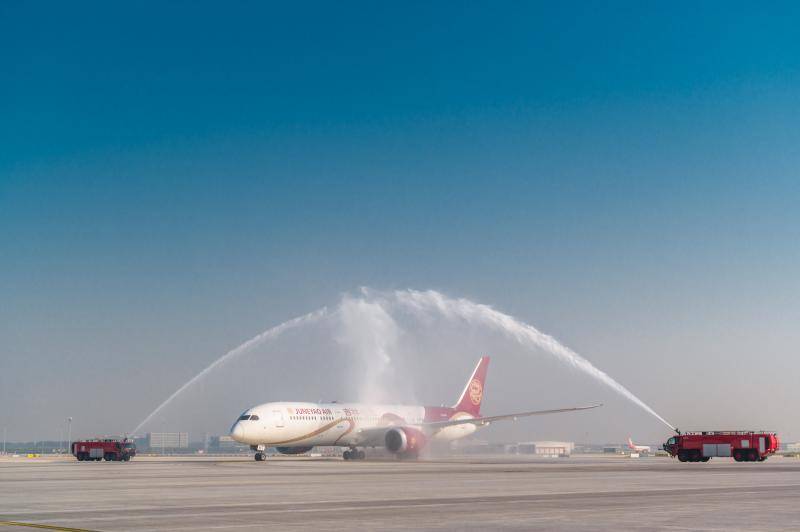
[289,424]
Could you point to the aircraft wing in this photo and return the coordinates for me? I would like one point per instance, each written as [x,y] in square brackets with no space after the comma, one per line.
[488,419]
[375,435]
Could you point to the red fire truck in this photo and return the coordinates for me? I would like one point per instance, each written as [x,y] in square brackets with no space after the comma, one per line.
[104,449]
[742,445]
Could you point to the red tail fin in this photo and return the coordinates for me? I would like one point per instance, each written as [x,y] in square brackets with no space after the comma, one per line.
[472,396]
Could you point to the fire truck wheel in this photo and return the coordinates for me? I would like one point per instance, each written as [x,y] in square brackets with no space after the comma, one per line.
[753,455]
[695,456]
[346,455]
[127,458]
[682,456]
[762,458]
[737,455]
[705,459]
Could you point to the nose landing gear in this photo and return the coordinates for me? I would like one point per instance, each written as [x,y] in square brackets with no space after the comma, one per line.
[260,454]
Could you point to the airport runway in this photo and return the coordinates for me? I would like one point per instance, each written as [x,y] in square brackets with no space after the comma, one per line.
[578,493]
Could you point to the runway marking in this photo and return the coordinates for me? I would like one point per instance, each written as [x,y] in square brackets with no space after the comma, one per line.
[544,504]
[46,527]
[386,505]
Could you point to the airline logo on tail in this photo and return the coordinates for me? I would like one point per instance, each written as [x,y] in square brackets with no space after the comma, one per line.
[475,392]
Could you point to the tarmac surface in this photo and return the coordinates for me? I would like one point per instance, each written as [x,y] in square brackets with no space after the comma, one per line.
[471,493]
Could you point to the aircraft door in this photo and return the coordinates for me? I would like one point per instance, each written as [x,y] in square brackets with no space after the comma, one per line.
[277,416]
[342,424]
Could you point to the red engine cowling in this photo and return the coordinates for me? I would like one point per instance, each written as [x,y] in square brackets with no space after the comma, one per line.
[404,440]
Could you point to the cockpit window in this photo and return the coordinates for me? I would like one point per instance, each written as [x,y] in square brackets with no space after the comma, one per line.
[244,417]
[254,417]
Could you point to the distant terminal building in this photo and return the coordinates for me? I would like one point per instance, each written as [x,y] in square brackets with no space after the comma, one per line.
[546,448]
[479,447]
[225,444]
[793,447]
[168,440]
[538,448]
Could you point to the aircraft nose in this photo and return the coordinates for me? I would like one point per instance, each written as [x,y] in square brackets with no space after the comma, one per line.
[238,431]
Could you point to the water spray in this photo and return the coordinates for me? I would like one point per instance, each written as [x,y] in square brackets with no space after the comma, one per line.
[269,334]
[525,334]
[374,311]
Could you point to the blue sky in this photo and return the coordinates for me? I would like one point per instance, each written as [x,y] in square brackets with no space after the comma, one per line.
[176,176]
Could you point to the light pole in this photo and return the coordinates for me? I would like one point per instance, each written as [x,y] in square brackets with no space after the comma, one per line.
[69,433]
[4,440]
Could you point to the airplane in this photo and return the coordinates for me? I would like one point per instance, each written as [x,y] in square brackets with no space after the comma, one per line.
[295,428]
[642,449]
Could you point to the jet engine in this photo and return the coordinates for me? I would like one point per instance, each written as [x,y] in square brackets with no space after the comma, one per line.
[405,440]
[293,450]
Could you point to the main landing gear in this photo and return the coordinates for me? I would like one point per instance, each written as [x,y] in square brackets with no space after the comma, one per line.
[260,457]
[354,454]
